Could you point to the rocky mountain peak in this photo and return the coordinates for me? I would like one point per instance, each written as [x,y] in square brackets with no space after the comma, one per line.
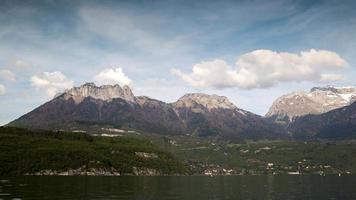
[208,101]
[326,88]
[318,100]
[346,93]
[104,92]
[193,114]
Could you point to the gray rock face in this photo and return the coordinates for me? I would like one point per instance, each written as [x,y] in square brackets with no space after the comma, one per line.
[208,101]
[317,101]
[105,92]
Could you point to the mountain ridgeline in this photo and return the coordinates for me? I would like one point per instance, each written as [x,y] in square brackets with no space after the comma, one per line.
[91,108]
[324,112]
[335,124]
[318,100]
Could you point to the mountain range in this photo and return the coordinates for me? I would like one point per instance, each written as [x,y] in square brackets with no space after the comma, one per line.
[324,112]
[90,108]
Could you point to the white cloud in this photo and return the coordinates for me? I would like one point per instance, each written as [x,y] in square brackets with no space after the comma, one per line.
[7,75]
[112,76]
[216,73]
[265,68]
[51,82]
[2,90]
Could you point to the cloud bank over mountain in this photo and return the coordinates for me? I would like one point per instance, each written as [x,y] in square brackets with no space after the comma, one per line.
[112,76]
[264,69]
[51,82]
[54,82]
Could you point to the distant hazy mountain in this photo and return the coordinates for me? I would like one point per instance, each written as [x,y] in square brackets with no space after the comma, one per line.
[317,101]
[338,123]
[90,108]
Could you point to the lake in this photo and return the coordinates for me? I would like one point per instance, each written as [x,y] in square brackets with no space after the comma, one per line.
[179,187]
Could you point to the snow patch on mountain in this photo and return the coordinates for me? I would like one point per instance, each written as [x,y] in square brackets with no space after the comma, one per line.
[318,100]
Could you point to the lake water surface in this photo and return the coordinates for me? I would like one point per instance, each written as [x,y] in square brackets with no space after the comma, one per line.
[180,187]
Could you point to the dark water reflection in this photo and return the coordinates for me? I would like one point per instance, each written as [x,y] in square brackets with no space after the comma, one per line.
[195,187]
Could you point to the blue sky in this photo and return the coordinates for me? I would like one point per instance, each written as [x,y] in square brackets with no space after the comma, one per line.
[250,51]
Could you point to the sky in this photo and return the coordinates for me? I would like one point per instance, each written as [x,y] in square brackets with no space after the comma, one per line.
[250,51]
